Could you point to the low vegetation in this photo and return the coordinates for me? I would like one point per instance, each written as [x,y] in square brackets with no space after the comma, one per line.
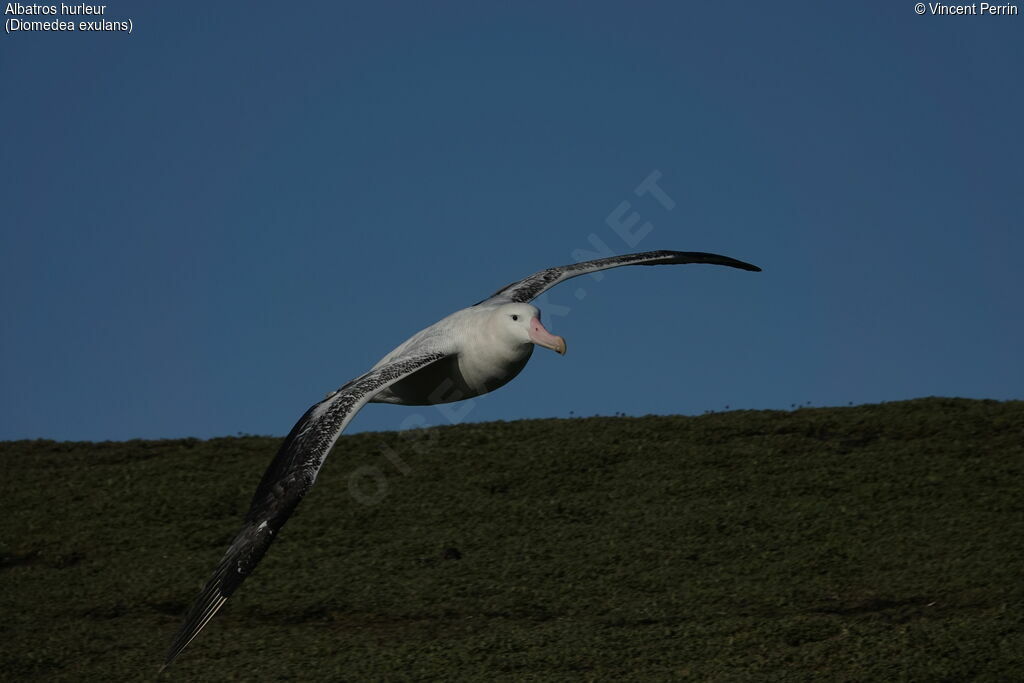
[879,542]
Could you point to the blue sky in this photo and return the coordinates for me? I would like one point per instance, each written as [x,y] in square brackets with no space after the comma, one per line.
[213,221]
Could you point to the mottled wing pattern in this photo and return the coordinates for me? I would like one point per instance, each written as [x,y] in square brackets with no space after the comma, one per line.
[290,476]
[529,288]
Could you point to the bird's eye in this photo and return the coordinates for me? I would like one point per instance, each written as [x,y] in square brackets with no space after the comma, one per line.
[515,317]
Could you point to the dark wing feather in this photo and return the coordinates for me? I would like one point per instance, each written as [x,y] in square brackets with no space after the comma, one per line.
[529,288]
[290,476]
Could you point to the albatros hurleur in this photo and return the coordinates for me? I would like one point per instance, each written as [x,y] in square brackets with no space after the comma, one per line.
[471,352]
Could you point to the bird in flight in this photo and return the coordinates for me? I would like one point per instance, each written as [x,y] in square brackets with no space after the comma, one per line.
[471,352]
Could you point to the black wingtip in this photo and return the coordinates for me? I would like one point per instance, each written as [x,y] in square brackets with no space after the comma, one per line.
[201,612]
[742,265]
[713,259]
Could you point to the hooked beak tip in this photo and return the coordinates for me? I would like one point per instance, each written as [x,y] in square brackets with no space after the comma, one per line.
[541,337]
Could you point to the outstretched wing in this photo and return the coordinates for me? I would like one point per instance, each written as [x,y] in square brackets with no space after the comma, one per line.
[529,288]
[290,476]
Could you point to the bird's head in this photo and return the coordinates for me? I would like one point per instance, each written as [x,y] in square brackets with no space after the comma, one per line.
[521,322]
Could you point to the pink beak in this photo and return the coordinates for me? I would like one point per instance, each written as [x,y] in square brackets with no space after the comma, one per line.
[541,337]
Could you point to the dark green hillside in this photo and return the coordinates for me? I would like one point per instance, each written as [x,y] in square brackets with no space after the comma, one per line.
[881,542]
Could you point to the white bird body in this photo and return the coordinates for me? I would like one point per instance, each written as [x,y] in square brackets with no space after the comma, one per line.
[484,347]
[468,353]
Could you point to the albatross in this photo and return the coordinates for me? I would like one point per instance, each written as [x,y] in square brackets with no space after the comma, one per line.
[471,352]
